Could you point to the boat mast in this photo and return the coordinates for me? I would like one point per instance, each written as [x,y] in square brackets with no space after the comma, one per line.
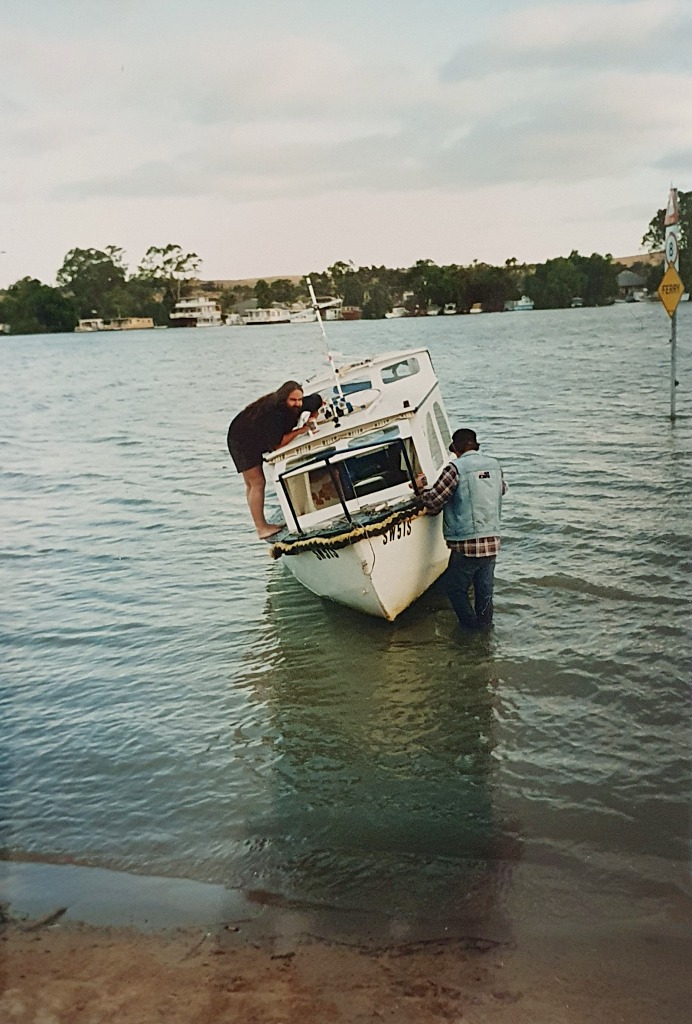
[330,357]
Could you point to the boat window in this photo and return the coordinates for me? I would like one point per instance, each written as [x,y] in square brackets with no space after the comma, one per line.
[374,437]
[401,369]
[351,387]
[434,442]
[356,477]
[378,470]
[442,425]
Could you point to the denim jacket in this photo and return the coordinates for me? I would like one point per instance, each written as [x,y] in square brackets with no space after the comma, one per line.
[475,507]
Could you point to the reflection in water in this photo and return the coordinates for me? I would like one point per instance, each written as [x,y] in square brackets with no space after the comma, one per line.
[382,787]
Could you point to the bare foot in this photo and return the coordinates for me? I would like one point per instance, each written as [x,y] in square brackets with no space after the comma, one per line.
[272,529]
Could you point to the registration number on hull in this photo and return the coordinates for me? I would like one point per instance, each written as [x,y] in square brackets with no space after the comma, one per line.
[397,532]
[323,553]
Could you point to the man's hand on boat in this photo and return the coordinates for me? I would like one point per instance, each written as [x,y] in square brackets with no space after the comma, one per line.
[421,482]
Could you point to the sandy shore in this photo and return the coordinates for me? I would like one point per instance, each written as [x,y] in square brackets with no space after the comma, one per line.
[54,973]
[259,961]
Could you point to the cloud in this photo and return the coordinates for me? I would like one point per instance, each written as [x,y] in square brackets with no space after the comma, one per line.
[100,117]
[578,37]
[676,162]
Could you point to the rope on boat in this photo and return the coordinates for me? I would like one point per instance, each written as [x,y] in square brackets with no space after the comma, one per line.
[345,536]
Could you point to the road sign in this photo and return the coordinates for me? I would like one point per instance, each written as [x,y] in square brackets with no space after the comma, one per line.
[670,290]
[672,251]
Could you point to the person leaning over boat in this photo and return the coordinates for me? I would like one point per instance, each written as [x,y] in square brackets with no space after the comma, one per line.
[268,423]
[469,494]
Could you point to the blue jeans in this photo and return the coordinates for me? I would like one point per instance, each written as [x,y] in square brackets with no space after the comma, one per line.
[463,573]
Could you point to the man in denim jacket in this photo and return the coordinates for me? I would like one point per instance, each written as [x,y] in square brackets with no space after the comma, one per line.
[469,494]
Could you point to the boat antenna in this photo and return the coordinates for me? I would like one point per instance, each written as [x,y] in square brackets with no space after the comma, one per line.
[330,357]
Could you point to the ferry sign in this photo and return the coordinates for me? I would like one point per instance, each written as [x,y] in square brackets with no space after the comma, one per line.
[670,290]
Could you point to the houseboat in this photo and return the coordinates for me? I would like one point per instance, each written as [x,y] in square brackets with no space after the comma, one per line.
[197,312]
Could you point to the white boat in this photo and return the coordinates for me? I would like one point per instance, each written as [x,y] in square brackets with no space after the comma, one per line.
[524,303]
[355,533]
[477,307]
[449,309]
[234,320]
[303,316]
[197,312]
[87,325]
[396,313]
[116,323]
[273,315]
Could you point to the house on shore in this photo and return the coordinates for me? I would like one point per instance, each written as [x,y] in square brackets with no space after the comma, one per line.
[631,286]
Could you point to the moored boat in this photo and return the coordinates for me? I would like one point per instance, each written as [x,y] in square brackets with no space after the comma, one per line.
[519,305]
[116,323]
[355,532]
[198,311]
[303,316]
[269,315]
[351,313]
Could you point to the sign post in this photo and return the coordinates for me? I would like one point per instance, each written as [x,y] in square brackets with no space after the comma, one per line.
[671,287]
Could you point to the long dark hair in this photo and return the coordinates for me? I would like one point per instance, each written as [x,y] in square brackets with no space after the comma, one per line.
[274,401]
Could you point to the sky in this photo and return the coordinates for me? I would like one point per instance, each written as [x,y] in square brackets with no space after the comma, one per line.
[275,138]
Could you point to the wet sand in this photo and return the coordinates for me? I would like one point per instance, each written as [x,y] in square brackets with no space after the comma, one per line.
[79,974]
[264,961]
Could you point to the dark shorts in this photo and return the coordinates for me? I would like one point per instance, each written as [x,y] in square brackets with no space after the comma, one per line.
[243,455]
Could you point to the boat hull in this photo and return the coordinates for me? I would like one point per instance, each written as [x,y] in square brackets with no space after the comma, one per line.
[377,575]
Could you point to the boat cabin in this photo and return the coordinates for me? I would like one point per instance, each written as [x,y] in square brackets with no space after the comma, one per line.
[377,430]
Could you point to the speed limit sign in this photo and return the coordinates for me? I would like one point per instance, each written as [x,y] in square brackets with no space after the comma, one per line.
[672,249]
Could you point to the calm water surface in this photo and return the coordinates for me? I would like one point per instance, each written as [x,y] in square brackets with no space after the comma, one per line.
[175,703]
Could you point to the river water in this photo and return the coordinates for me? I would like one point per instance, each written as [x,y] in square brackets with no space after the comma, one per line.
[174,703]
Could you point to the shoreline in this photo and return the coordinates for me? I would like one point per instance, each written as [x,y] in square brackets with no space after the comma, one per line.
[82,944]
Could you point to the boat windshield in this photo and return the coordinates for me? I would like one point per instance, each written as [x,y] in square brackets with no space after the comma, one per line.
[359,475]
[400,370]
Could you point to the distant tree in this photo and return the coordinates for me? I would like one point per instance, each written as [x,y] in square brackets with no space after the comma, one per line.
[263,294]
[92,277]
[283,291]
[172,269]
[654,241]
[378,303]
[30,307]
[321,283]
[231,297]
[491,286]
[555,283]
[347,282]
[228,299]
[600,278]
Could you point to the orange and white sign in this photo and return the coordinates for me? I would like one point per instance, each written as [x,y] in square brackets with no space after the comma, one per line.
[672,212]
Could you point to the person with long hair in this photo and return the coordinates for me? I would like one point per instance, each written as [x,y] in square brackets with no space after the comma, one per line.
[266,424]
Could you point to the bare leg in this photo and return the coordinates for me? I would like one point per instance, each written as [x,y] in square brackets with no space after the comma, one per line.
[255,484]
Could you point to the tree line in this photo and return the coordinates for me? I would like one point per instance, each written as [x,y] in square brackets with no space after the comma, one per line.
[94,283]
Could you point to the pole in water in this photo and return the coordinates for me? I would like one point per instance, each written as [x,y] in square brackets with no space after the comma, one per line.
[330,358]
[673,362]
